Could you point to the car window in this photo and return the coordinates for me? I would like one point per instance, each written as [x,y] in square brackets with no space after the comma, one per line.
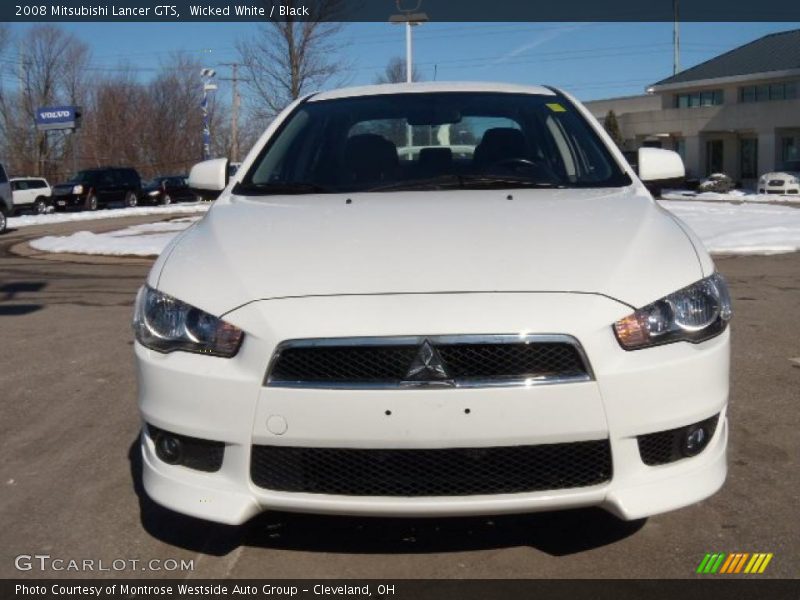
[36,184]
[19,185]
[390,141]
[87,177]
[130,177]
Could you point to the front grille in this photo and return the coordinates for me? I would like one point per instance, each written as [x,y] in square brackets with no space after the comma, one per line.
[431,472]
[465,360]
[664,447]
[776,182]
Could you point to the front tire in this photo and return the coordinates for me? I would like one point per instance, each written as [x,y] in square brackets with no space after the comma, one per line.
[91,202]
[130,200]
[166,200]
[40,206]
[3,220]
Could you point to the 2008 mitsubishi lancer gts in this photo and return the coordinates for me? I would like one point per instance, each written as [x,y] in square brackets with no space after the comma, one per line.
[433,299]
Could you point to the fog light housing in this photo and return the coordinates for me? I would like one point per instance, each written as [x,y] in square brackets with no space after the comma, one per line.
[168,448]
[664,447]
[695,438]
[185,451]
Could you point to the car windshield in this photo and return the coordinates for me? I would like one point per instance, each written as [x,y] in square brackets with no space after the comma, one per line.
[418,141]
[153,183]
[84,177]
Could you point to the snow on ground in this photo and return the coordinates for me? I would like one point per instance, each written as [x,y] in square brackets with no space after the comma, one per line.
[732,196]
[724,229]
[148,239]
[741,228]
[112,213]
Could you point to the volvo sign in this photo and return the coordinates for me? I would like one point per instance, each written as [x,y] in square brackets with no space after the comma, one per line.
[58,117]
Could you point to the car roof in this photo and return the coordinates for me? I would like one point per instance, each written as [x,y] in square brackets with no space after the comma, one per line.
[431,86]
[24,177]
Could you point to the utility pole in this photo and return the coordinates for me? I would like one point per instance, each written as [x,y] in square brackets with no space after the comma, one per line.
[235,104]
[676,40]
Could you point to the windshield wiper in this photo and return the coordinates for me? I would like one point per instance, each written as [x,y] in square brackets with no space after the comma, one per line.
[438,182]
[279,187]
[505,181]
[465,182]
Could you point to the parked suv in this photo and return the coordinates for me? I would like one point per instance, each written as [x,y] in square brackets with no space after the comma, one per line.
[94,188]
[31,194]
[6,201]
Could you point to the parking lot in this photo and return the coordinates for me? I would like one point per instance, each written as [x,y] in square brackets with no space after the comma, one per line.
[70,468]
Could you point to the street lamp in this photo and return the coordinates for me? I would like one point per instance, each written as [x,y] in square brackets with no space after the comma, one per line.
[206,76]
[411,17]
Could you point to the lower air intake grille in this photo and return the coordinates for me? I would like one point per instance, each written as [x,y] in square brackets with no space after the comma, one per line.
[664,447]
[431,472]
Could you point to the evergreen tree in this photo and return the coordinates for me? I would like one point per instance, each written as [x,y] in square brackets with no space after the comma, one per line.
[612,128]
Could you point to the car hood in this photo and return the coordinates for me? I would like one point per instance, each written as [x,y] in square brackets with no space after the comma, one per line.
[780,175]
[609,241]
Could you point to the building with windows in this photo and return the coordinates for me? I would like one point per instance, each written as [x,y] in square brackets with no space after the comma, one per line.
[738,113]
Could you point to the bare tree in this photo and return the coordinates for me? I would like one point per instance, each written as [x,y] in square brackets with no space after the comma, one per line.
[50,71]
[289,58]
[395,72]
[175,140]
[611,125]
[154,126]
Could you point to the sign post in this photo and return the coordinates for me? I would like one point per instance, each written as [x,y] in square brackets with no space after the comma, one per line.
[58,117]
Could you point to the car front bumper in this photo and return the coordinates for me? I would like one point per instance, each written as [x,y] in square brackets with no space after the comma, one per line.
[633,393]
[68,200]
[787,190]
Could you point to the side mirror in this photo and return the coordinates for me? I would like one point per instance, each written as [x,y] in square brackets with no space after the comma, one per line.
[209,178]
[656,164]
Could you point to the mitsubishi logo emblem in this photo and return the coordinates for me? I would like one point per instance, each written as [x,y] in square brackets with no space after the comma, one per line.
[427,366]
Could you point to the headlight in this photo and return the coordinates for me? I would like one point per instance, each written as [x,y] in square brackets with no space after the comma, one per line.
[78,189]
[165,324]
[694,314]
[153,193]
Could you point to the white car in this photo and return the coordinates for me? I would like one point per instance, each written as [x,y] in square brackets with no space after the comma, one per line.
[519,330]
[31,194]
[779,183]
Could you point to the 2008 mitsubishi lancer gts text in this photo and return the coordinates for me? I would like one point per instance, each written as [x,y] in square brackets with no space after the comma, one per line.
[433,299]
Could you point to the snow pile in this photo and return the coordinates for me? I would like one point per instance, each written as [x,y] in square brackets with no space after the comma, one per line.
[112,213]
[742,228]
[148,239]
[732,196]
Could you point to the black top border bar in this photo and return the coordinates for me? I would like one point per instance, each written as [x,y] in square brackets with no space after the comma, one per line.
[399,10]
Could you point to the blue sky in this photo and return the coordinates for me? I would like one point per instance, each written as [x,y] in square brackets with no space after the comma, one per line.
[592,60]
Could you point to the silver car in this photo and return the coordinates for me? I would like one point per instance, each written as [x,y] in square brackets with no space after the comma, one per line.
[6,201]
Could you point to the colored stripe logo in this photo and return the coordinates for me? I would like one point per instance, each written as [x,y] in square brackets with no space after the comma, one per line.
[734,563]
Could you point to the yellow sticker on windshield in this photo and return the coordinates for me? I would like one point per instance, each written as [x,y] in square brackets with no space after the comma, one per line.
[555,107]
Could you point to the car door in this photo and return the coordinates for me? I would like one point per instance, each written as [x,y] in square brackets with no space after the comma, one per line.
[42,188]
[105,187]
[120,185]
[21,192]
[181,189]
